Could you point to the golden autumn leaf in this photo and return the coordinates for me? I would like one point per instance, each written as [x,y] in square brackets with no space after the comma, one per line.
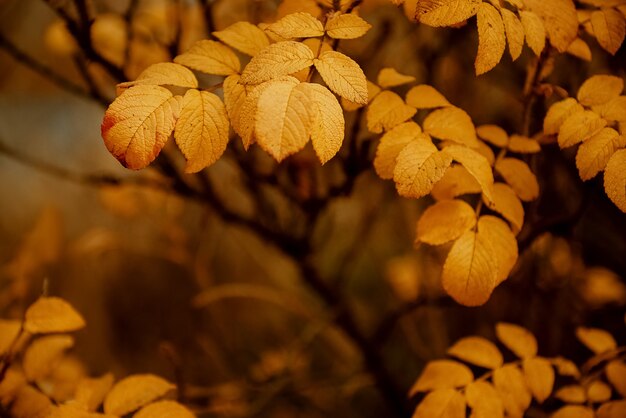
[210,57]
[90,392]
[504,244]
[389,77]
[493,134]
[519,176]
[445,221]
[594,154]
[386,111]
[484,400]
[491,38]
[343,76]
[391,143]
[579,49]
[514,32]
[505,202]
[614,409]
[477,351]
[609,28]
[52,315]
[134,392]
[600,89]
[559,19]
[234,98]
[571,394]
[615,179]
[297,25]
[372,91]
[11,384]
[247,113]
[443,403]
[44,354]
[534,30]
[558,113]
[614,109]
[9,331]
[244,37]
[573,411]
[442,374]
[419,166]
[476,164]
[424,96]
[517,339]
[511,386]
[539,377]
[598,391]
[445,12]
[453,124]
[455,182]
[164,74]
[201,131]
[597,340]
[523,145]
[279,59]
[327,125]
[616,375]
[346,26]
[164,409]
[30,403]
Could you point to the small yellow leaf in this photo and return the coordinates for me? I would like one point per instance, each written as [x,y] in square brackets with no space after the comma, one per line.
[510,384]
[210,57]
[573,411]
[327,130]
[424,96]
[580,49]
[558,113]
[164,409]
[614,109]
[138,123]
[442,403]
[614,409]
[372,91]
[597,340]
[391,143]
[279,59]
[455,182]
[133,392]
[445,221]
[491,38]
[594,154]
[477,351]
[244,37]
[615,179]
[9,331]
[534,30]
[445,12]
[297,25]
[559,19]
[346,26]
[442,374]
[234,98]
[504,244]
[616,374]
[600,89]
[514,32]
[518,175]
[52,315]
[517,339]
[523,145]
[418,167]
[484,400]
[247,114]
[571,394]
[386,111]
[598,391]
[453,124]
[566,367]
[493,134]
[343,76]
[164,74]
[476,164]
[506,203]
[389,77]
[44,354]
[90,393]
[539,377]
[609,28]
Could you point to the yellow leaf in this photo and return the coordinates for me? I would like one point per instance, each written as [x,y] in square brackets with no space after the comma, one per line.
[51,315]
[10,386]
[534,30]
[477,351]
[514,33]
[277,60]
[386,111]
[517,339]
[133,392]
[283,119]
[234,98]
[297,25]
[445,221]
[573,411]
[616,374]
[210,57]
[558,113]
[594,154]
[491,38]
[566,367]
[559,19]
[391,143]
[484,400]
[504,244]
[30,403]
[493,134]
[389,77]
[327,130]
[9,331]
[164,74]
[476,164]
[247,114]
[510,384]
[138,123]
[44,354]
[442,374]
[600,89]
[424,96]
[455,182]
[90,393]
[453,124]
[164,409]
[523,145]
[346,26]
[598,391]
[244,37]
[571,394]
[418,167]
[372,91]
[445,12]
[343,76]
[441,403]
[615,179]
[539,377]
[614,409]
[506,203]
[579,49]
[602,287]
[597,340]
[518,175]
[609,28]
[614,109]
